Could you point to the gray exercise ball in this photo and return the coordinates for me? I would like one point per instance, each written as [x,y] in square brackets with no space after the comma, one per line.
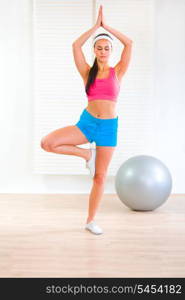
[143,183]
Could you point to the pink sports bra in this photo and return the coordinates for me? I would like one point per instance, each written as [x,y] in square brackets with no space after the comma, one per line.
[105,88]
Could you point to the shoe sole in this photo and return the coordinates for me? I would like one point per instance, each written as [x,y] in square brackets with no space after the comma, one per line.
[93,232]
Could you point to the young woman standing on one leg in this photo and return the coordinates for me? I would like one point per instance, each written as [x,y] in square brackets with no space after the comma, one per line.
[98,122]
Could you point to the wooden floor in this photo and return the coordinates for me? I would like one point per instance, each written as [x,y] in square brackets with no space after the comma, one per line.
[44,236]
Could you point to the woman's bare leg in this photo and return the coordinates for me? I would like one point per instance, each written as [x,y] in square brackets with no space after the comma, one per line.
[64,141]
[103,158]
[72,150]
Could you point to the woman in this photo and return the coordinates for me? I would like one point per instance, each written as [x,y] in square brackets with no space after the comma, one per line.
[98,121]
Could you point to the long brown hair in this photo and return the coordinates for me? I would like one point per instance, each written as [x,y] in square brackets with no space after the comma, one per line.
[94,69]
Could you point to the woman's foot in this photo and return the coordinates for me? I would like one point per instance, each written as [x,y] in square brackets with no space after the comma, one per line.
[93,227]
[89,154]
[90,164]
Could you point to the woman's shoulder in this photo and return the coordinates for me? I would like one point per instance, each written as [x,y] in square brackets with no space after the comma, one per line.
[116,72]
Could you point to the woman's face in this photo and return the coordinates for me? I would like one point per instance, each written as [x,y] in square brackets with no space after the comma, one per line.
[102,50]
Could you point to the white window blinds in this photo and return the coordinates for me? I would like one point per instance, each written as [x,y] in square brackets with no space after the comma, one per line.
[59,94]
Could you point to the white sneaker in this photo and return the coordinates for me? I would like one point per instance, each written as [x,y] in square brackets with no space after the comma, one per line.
[90,164]
[93,227]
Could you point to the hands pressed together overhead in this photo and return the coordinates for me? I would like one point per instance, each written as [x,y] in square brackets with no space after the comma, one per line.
[101,19]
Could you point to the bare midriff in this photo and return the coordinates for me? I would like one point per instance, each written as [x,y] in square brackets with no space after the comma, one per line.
[101,108]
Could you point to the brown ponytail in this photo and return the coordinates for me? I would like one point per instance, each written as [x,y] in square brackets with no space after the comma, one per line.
[92,75]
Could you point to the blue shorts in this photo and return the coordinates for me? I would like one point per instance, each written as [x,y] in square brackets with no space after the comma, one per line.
[101,131]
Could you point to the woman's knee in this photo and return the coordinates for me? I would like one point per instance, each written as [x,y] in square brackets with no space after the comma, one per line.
[99,178]
[45,144]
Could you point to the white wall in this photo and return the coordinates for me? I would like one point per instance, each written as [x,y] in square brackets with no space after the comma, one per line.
[16,101]
[170,88]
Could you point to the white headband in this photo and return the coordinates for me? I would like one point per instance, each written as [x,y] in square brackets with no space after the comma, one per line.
[102,36]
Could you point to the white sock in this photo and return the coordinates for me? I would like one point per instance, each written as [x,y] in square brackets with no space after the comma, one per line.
[93,227]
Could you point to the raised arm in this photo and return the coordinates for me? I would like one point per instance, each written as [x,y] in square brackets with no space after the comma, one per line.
[80,61]
[81,64]
[123,63]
